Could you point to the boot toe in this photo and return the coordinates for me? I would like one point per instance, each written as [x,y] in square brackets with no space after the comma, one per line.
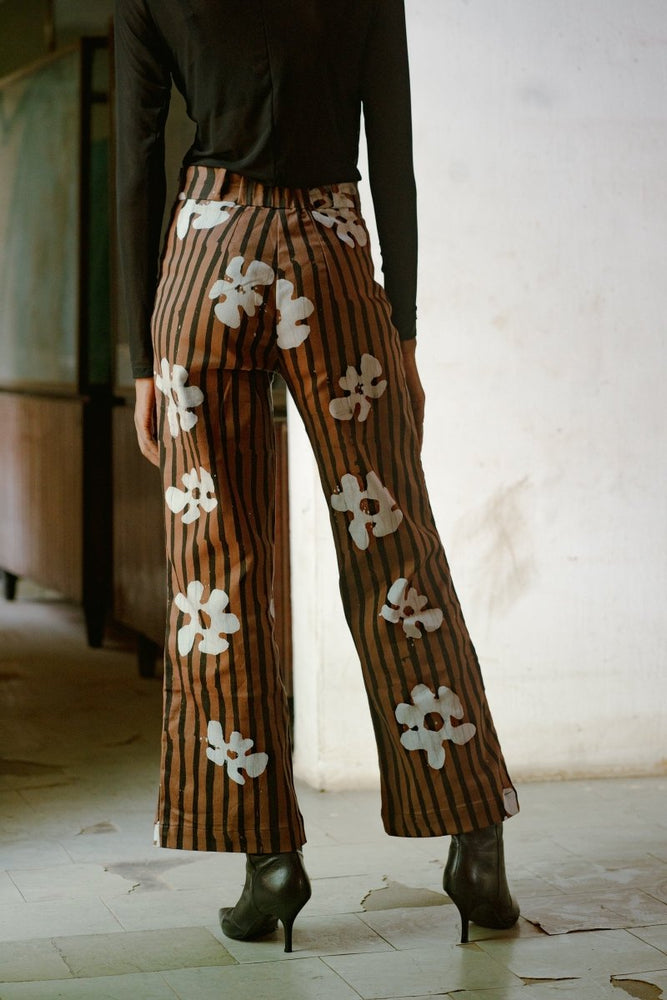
[496,917]
[262,927]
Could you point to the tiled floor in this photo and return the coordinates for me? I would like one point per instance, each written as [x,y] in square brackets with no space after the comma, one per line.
[89,909]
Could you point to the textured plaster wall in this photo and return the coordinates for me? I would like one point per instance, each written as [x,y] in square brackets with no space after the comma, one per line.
[540,142]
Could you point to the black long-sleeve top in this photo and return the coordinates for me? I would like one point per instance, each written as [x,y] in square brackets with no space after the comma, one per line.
[275,89]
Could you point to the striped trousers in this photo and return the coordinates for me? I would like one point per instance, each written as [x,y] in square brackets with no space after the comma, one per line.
[257,280]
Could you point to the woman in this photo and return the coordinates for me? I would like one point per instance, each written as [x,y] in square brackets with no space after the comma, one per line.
[267,269]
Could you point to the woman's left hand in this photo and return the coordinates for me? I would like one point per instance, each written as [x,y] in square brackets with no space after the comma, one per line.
[145,420]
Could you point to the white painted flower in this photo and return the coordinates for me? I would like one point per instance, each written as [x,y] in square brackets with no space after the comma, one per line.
[199,492]
[239,291]
[180,398]
[234,754]
[419,736]
[209,214]
[407,606]
[362,386]
[291,329]
[374,506]
[220,623]
[336,208]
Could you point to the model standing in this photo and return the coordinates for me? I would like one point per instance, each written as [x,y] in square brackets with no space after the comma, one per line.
[266,269]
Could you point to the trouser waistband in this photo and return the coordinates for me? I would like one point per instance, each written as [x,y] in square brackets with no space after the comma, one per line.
[203,183]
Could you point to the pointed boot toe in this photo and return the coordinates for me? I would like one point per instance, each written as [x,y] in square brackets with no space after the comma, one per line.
[245,925]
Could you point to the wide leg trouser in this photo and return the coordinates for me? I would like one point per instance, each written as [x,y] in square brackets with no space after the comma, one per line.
[257,280]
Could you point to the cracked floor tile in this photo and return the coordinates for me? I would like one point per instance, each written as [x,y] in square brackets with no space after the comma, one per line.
[587,954]
[612,909]
[90,956]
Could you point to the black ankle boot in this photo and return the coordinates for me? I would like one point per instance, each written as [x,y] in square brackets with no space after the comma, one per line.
[475,880]
[276,888]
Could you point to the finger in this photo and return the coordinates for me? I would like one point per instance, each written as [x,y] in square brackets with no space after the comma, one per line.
[419,420]
[420,431]
[148,445]
[153,454]
[150,451]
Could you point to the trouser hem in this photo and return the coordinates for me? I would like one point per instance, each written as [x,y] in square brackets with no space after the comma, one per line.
[183,838]
[433,825]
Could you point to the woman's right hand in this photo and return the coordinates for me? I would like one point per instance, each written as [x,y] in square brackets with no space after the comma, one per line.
[415,388]
[145,419]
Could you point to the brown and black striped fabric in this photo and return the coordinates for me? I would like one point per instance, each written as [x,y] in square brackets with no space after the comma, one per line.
[257,280]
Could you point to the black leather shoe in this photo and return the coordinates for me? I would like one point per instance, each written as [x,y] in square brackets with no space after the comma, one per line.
[475,880]
[276,888]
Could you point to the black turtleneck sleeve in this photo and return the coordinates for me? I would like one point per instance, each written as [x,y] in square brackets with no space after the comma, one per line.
[388,122]
[143,87]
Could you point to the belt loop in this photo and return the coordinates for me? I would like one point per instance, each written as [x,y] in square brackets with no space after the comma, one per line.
[182,179]
[222,173]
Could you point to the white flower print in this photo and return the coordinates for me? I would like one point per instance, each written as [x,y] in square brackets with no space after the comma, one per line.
[238,290]
[209,214]
[199,492]
[419,736]
[291,329]
[180,398]
[214,609]
[410,607]
[362,387]
[234,754]
[336,208]
[374,506]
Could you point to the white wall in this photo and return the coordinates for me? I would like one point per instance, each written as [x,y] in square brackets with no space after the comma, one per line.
[541,145]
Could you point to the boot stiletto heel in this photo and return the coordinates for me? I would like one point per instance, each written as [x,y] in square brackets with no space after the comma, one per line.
[476,882]
[276,888]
